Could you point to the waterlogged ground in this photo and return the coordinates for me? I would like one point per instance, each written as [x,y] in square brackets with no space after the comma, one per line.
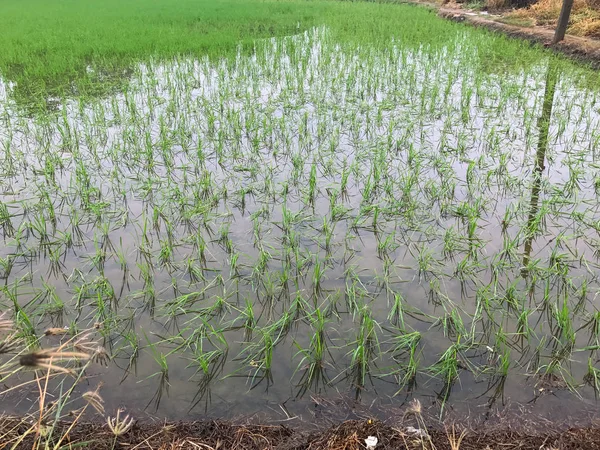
[314,221]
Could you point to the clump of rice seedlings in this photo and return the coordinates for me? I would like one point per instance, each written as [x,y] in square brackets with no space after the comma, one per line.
[270,288]
[249,321]
[318,278]
[592,376]
[217,309]
[280,328]
[511,297]
[312,363]
[386,247]
[148,292]
[563,330]
[466,270]
[452,243]
[448,367]
[499,357]
[355,291]
[194,271]
[22,321]
[581,295]
[299,307]
[258,357]
[165,257]
[225,239]
[403,349]
[452,323]
[327,230]
[6,266]
[366,350]
[209,364]
[162,374]
[131,347]
[6,220]
[262,264]
[396,315]
[523,329]
[593,325]
[312,185]
[234,265]
[425,261]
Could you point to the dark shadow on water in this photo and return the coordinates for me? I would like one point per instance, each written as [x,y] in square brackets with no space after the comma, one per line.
[543,125]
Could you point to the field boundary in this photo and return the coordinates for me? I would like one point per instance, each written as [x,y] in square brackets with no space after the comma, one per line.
[581,49]
[217,434]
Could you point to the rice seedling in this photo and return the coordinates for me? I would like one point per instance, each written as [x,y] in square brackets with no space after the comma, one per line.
[162,375]
[396,315]
[366,350]
[448,367]
[313,364]
[403,348]
[258,357]
[209,364]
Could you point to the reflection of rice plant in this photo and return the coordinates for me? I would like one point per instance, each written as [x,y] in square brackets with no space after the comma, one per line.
[162,374]
[209,364]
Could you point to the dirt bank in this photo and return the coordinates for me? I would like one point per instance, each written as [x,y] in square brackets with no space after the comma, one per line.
[580,48]
[348,435]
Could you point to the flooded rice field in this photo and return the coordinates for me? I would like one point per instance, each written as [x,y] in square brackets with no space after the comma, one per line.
[306,222]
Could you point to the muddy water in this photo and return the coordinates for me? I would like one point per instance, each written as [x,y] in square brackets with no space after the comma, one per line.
[470,194]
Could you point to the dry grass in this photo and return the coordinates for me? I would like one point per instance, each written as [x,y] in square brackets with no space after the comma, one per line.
[496,5]
[65,364]
[585,16]
[586,27]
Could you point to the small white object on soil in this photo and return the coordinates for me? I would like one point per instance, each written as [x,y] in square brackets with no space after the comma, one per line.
[371,442]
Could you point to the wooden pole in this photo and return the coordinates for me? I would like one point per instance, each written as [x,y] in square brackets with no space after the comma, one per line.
[563,21]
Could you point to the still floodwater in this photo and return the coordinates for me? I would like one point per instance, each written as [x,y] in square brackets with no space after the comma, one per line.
[315,221]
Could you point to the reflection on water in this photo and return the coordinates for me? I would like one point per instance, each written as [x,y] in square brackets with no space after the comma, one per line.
[314,221]
[543,130]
